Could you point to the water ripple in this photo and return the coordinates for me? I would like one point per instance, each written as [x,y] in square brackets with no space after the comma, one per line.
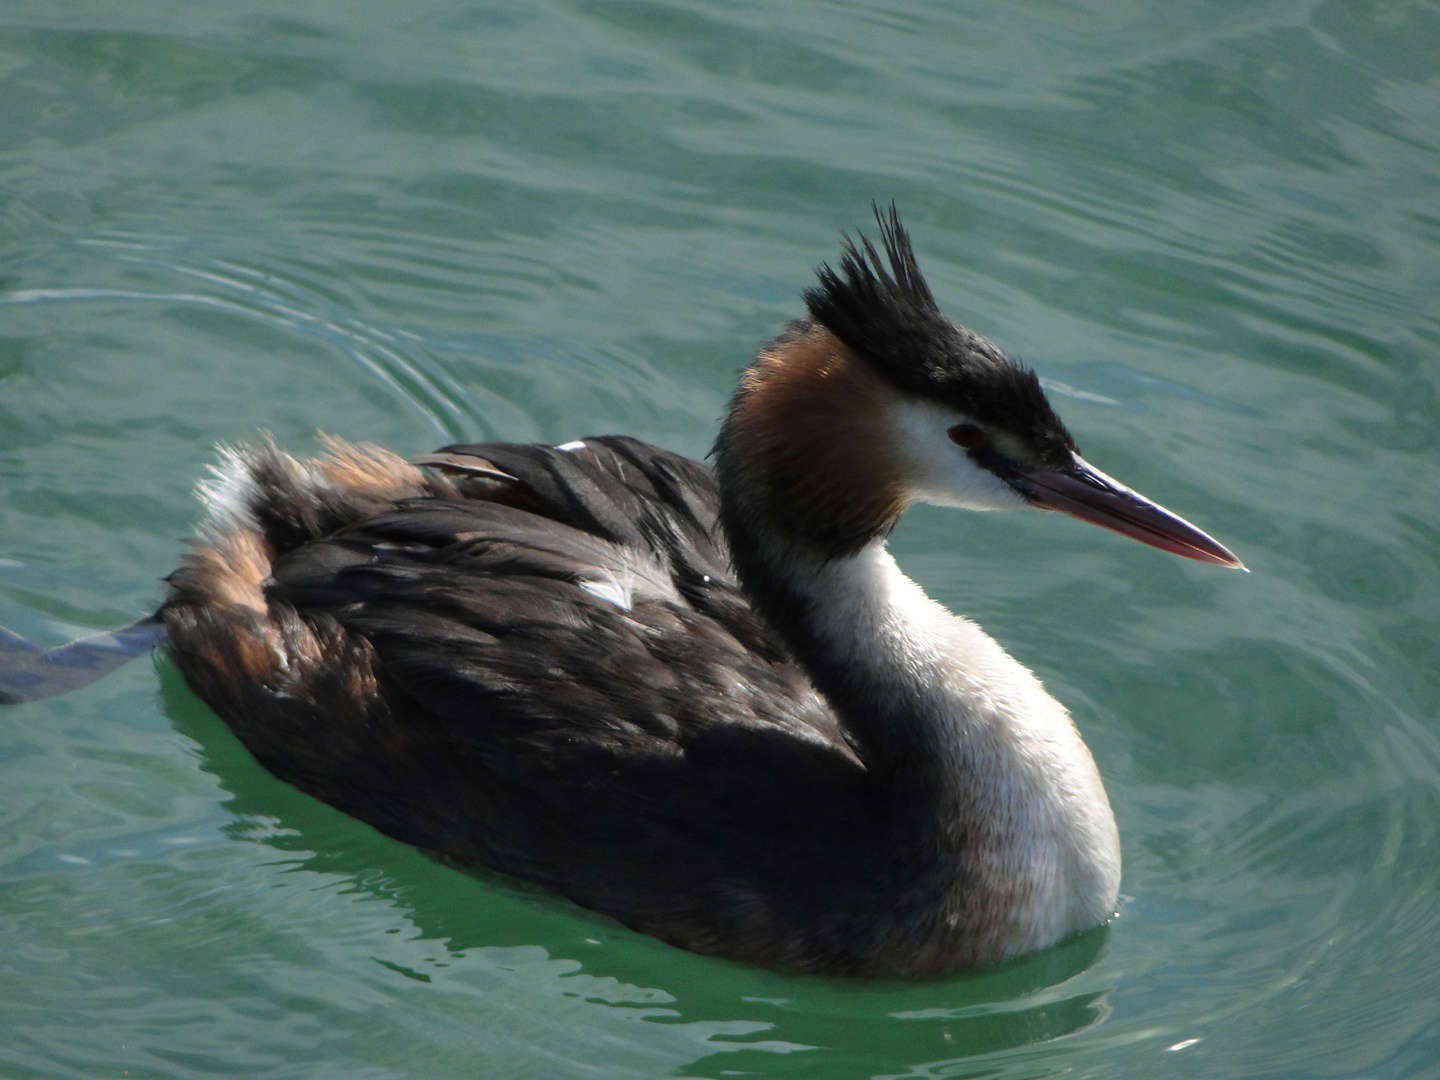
[276,296]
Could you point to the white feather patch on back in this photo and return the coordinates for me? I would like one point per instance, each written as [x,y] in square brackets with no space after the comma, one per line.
[620,593]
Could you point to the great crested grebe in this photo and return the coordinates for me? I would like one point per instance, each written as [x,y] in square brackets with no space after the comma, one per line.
[705,702]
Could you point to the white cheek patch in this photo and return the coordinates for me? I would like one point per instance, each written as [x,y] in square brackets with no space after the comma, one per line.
[938,471]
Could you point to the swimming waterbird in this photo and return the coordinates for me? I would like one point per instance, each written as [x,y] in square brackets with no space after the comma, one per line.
[702,700]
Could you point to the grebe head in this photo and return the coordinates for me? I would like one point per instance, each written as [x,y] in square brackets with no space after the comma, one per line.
[878,401]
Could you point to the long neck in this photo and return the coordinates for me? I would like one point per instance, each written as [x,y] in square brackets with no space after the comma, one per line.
[988,791]
[989,797]
[983,776]
[939,711]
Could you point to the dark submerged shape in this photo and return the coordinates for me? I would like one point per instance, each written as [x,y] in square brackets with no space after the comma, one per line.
[539,659]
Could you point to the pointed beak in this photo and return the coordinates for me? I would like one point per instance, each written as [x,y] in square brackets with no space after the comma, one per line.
[1084,492]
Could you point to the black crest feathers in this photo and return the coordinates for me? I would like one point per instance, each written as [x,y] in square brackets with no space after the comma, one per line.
[883,309]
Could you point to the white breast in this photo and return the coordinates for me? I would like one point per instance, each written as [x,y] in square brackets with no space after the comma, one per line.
[1022,776]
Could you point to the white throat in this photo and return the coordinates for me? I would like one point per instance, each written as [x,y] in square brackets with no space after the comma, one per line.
[1017,790]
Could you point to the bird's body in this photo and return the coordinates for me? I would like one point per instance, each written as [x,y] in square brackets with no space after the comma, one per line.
[558,676]
[706,702]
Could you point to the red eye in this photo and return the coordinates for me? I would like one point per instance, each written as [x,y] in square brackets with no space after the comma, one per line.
[967,435]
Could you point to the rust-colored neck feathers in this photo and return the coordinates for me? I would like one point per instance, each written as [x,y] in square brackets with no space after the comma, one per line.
[806,444]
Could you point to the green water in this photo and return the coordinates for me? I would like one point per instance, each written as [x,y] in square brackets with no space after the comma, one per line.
[1212,227]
